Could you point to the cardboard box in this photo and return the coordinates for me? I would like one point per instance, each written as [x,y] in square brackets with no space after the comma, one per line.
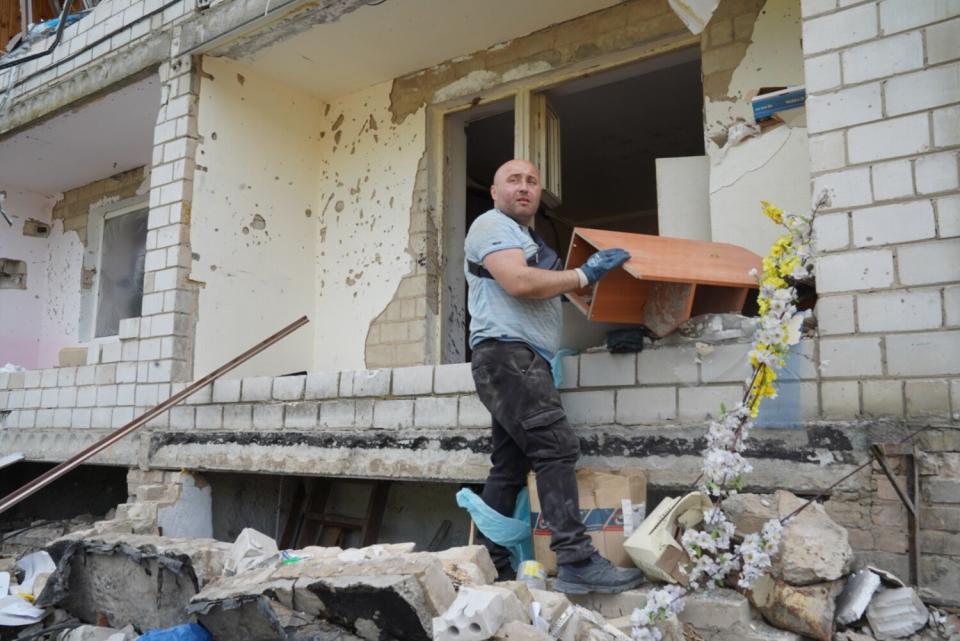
[612,504]
[654,546]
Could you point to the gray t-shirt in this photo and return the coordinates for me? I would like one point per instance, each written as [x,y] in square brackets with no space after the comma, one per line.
[493,312]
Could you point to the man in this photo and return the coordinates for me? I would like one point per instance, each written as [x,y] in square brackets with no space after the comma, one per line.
[515,286]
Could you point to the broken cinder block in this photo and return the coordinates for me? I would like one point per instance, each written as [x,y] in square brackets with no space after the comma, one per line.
[806,610]
[896,613]
[477,614]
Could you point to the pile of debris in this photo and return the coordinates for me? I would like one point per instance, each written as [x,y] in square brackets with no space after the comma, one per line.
[123,584]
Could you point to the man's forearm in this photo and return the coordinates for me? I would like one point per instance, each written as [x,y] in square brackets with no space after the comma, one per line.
[534,283]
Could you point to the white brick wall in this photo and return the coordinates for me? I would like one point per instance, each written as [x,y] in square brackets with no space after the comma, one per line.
[899,310]
[890,224]
[838,29]
[856,270]
[884,57]
[889,138]
[850,357]
[928,263]
[843,108]
[922,90]
[924,354]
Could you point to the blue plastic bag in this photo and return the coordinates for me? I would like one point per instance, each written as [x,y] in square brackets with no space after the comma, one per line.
[186,632]
[512,533]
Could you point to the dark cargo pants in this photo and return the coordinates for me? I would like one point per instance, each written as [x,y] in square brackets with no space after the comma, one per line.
[530,431]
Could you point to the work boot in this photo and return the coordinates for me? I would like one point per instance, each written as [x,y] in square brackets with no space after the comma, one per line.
[597,574]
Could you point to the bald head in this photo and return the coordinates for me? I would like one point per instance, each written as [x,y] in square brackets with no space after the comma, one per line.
[516,190]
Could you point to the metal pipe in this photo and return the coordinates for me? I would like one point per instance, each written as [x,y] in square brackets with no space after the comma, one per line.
[61,25]
[53,474]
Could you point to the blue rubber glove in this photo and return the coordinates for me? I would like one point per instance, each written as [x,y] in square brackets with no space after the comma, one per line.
[602,262]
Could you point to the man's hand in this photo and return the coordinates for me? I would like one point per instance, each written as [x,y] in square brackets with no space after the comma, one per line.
[605,260]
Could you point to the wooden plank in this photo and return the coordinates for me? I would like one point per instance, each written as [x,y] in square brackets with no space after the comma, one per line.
[677,260]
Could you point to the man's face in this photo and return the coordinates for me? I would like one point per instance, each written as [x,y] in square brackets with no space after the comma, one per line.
[516,190]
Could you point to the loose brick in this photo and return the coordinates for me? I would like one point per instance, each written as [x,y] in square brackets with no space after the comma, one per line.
[66,378]
[645,405]
[923,354]
[448,379]
[835,315]
[856,270]
[704,402]
[48,378]
[850,357]
[603,369]
[900,310]
[929,263]
[409,381]
[392,414]
[435,412]
[889,138]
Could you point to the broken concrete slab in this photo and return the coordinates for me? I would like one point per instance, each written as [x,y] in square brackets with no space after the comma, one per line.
[250,549]
[717,609]
[896,613]
[477,614]
[519,631]
[814,548]
[394,596]
[856,596]
[145,581]
[807,610]
[472,561]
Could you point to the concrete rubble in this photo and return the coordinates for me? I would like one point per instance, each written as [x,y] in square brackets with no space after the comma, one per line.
[120,584]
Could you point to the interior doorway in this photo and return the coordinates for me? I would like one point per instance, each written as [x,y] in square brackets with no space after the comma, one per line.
[613,126]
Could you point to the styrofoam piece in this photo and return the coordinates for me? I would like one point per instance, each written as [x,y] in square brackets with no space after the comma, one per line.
[896,613]
[856,595]
[16,611]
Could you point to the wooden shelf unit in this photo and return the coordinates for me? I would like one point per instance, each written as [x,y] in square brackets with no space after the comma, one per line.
[665,282]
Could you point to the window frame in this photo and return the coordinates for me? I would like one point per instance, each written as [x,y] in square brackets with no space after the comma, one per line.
[93,257]
[529,138]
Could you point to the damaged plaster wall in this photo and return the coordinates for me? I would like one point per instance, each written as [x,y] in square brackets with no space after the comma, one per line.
[253,218]
[368,169]
[774,166]
[21,310]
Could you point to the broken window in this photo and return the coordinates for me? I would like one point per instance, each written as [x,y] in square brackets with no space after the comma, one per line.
[600,141]
[13,274]
[120,270]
